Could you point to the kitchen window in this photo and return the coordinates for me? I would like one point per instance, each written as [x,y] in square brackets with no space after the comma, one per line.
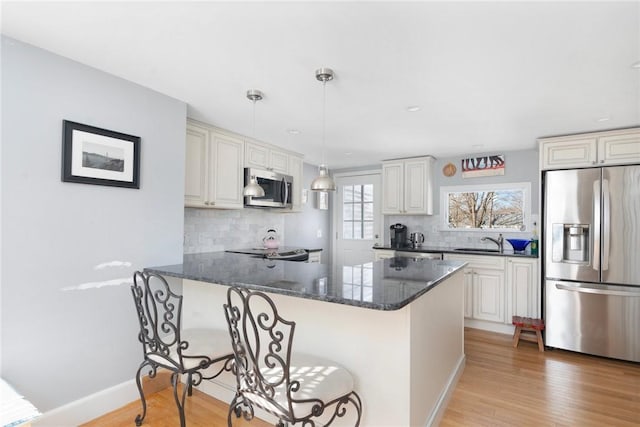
[496,207]
[357,212]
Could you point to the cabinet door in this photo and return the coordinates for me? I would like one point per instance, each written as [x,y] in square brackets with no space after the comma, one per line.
[296,171]
[383,254]
[488,295]
[522,288]
[279,162]
[226,178]
[392,188]
[417,186]
[256,156]
[568,152]
[196,167]
[619,149]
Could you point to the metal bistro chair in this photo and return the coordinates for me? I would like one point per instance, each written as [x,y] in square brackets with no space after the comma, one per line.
[293,387]
[165,345]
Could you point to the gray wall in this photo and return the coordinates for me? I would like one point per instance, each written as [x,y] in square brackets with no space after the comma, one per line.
[520,166]
[61,343]
[301,228]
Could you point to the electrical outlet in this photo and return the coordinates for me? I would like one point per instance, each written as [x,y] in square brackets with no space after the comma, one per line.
[319,233]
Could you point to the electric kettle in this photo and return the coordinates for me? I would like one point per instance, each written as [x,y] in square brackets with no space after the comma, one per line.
[416,239]
[270,241]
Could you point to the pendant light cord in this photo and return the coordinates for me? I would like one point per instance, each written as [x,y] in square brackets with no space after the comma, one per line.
[324,119]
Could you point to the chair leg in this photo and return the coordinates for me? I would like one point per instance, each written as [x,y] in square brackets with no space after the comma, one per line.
[189,384]
[140,417]
[179,398]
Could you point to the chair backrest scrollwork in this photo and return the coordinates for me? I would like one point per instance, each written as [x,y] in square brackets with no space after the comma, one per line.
[262,341]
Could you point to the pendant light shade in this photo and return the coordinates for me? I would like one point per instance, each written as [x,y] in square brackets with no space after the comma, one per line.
[323,181]
[253,189]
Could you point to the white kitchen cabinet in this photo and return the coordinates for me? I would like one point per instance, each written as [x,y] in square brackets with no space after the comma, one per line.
[383,254]
[213,168]
[523,288]
[407,186]
[315,257]
[484,278]
[590,149]
[263,156]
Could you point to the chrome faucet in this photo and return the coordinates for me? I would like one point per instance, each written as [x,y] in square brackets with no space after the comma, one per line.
[499,241]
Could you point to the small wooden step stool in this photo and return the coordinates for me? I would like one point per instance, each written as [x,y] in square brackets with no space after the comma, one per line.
[532,329]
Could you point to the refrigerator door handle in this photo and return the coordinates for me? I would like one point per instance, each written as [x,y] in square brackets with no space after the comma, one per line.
[597,291]
[606,223]
[596,225]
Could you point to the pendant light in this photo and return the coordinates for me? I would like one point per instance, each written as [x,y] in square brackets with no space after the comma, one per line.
[323,181]
[253,189]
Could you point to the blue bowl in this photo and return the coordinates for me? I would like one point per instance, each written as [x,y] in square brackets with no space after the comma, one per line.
[519,245]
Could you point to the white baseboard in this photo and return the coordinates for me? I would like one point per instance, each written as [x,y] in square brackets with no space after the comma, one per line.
[90,407]
[441,406]
[500,328]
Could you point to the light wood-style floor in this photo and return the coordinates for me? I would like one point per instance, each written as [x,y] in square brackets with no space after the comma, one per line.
[500,386]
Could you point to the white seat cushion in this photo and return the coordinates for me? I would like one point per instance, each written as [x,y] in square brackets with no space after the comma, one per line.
[319,379]
[212,343]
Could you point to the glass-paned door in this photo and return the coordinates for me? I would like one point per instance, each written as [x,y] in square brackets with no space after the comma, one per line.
[358,219]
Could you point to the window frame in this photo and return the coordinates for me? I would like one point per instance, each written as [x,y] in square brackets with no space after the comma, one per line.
[525,187]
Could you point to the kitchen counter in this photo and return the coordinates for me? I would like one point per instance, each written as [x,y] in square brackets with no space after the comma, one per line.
[395,324]
[449,250]
[385,286]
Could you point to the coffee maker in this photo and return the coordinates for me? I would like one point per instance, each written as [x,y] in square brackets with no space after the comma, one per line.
[398,236]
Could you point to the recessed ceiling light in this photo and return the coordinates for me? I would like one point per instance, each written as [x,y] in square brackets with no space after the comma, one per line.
[413,108]
[603,119]
[348,153]
[636,65]
[293,131]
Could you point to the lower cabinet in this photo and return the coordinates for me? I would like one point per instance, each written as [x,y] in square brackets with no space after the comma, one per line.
[315,257]
[383,254]
[523,292]
[497,288]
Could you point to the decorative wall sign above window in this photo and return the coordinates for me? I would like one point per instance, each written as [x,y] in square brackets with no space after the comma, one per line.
[91,155]
[483,166]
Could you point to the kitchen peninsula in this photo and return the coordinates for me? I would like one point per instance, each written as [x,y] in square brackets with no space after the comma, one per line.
[398,328]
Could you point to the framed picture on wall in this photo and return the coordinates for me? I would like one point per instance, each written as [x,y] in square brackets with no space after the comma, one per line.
[92,155]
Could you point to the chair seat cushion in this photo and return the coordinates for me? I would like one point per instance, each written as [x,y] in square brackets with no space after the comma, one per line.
[209,342]
[319,379]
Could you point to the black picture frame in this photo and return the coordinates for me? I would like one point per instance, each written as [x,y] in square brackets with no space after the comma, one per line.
[92,155]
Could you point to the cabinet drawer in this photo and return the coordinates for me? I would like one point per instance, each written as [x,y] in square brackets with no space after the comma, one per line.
[479,261]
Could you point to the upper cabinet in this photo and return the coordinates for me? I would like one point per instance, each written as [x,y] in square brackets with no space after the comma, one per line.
[598,148]
[213,168]
[263,156]
[215,162]
[407,186]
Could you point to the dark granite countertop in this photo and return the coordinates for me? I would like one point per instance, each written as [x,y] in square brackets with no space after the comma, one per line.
[468,251]
[381,285]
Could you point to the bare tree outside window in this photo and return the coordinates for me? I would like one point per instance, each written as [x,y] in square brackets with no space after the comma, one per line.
[486,208]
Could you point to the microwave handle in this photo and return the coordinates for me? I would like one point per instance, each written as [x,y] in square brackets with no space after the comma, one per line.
[285,190]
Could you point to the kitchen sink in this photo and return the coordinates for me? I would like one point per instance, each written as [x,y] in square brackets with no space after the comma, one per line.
[476,250]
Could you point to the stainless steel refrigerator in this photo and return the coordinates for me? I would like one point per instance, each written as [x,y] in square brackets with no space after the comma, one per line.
[591,253]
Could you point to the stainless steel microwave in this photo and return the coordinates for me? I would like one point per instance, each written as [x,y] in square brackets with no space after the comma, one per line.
[277,189]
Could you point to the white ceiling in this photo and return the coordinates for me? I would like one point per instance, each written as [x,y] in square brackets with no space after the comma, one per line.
[489,76]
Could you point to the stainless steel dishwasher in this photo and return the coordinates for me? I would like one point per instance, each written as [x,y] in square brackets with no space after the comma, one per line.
[422,255]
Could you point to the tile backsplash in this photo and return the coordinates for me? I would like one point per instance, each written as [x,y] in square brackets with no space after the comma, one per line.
[431,226]
[211,230]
